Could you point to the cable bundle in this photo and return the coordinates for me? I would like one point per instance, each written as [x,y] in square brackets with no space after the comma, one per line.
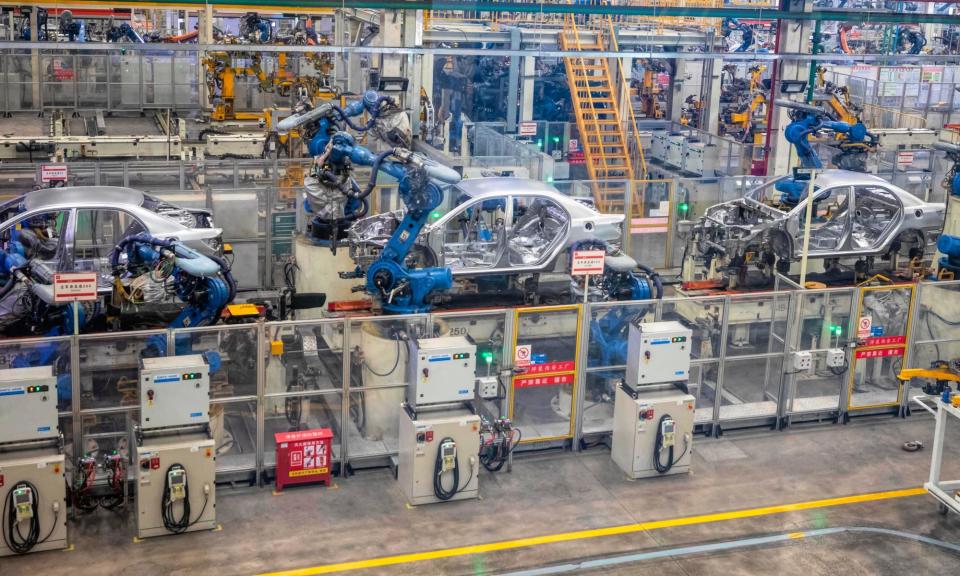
[178,525]
[13,537]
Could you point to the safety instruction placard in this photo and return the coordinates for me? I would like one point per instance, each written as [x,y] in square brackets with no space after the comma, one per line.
[53,173]
[587,262]
[536,381]
[528,128]
[521,356]
[73,287]
[863,326]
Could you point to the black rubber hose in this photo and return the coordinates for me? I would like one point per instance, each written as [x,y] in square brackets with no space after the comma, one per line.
[373,116]
[374,172]
[655,277]
[11,282]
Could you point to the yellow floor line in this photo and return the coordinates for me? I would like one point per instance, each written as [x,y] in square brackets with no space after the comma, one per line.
[596,533]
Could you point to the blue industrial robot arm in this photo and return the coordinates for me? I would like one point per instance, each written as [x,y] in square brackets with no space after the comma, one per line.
[807,121]
[746,33]
[948,244]
[402,290]
[203,282]
[125,30]
[320,124]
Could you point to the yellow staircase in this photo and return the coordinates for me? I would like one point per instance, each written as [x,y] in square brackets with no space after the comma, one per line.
[596,94]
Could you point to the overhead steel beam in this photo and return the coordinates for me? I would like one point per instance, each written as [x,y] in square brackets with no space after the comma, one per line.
[537,39]
[747,13]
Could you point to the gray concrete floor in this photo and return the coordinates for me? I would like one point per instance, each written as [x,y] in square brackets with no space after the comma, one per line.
[365,516]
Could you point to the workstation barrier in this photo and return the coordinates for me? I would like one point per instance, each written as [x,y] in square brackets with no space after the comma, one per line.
[349,374]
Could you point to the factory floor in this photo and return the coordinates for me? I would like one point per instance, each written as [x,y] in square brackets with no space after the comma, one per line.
[563,509]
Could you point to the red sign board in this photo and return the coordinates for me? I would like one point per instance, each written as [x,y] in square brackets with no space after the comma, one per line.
[74,287]
[879,353]
[549,367]
[60,71]
[587,262]
[576,157]
[303,457]
[53,173]
[886,341]
[535,381]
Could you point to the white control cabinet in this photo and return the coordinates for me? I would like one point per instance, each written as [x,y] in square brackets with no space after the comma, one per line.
[658,353]
[28,404]
[441,370]
[174,391]
[43,469]
[637,423]
[420,442]
[195,455]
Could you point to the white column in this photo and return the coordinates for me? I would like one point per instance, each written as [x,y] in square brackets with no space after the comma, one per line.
[526,88]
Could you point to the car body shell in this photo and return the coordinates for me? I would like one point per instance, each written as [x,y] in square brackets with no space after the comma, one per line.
[506,252]
[878,218]
[157,218]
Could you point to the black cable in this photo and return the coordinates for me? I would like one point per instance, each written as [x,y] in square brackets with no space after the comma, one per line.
[181,524]
[396,363]
[175,525]
[658,447]
[11,528]
[438,490]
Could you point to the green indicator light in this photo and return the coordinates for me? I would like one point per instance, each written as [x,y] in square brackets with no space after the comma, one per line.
[487,357]
[550,179]
[540,143]
[683,207]
[556,139]
[435,214]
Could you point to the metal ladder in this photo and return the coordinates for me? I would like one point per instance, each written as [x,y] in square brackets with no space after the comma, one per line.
[611,142]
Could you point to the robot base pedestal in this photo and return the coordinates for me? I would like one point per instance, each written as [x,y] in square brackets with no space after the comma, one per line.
[44,468]
[420,441]
[319,268]
[636,422]
[196,454]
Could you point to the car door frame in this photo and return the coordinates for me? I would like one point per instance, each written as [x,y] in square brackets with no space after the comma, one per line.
[888,234]
[70,237]
[64,234]
[545,263]
[799,214]
[435,240]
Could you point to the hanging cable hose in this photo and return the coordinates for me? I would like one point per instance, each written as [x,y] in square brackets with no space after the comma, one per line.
[373,116]
[374,172]
[84,476]
[658,465]
[178,525]
[396,363]
[655,278]
[116,470]
[13,536]
[438,471]
[494,454]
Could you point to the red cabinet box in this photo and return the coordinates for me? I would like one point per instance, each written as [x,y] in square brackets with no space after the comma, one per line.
[303,457]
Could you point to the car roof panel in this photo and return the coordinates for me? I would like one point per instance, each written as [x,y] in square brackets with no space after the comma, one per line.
[80,195]
[502,185]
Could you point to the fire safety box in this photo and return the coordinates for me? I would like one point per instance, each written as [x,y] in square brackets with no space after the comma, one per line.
[303,457]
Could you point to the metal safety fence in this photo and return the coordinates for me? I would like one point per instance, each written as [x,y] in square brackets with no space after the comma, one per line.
[349,374]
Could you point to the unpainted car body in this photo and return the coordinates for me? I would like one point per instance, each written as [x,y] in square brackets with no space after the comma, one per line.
[495,227]
[84,224]
[855,216]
